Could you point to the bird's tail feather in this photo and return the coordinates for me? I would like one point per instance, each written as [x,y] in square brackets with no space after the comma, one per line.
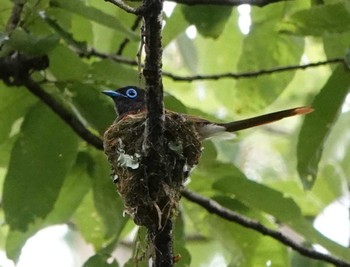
[264,119]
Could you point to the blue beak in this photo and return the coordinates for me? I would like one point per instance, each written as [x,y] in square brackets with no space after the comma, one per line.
[112,94]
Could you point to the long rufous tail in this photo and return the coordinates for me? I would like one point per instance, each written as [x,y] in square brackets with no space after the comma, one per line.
[264,119]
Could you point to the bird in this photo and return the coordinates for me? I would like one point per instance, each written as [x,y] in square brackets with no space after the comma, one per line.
[131,100]
[151,195]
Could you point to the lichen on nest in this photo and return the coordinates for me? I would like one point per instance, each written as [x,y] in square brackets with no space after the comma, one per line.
[123,143]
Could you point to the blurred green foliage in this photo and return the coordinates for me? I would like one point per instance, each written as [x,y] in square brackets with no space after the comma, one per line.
[50,176]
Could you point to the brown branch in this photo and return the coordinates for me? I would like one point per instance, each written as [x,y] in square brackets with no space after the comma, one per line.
[139,11]
[144,9]
[127,40]
[90,52]
[227,214]
[259,3]
[252,73]
[121,4]
[15,17]
[156,173]
[232,75]
[15,70]
[76,125]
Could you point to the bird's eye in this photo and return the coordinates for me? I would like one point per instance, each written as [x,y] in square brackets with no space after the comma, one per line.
[131,93]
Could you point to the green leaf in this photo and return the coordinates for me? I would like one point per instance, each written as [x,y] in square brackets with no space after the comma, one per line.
[65,35]
[214,57]
[66,65]
[317,126]
[337,46]
[94,106]
[107,201]
[6,12]
[94,14]
[347,58]
[330,185]
[14,102]
[245,247]
[111,73]
[139,250]
[240,242]
[320,20]
[174,25]
[258,196]
[89,223]
[40,161]
[32,44]
[16,239]
[179,242]
[74,188]
[101,260]
[30,12]
[5,151]
[188,52]
[3,231]
[278,50]
[210,21]
[298,260]
[100,217]
[174,104]
[3,38]
[273,202]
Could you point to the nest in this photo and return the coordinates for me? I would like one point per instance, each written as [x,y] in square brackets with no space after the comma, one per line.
[147,203]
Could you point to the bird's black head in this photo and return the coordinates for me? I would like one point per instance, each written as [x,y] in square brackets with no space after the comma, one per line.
[128,99]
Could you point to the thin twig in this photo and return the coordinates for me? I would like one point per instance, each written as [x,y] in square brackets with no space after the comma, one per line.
[127,40]
[252,73]
[117,58]
[227,214]
[139,11]
[122,5]
[139,53]
[259,3]
[231,75]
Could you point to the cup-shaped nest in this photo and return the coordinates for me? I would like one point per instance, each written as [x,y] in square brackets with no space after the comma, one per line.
[123,144]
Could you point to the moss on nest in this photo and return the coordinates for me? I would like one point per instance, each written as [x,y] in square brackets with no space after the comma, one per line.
[123,142]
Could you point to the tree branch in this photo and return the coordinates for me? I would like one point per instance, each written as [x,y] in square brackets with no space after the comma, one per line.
[156,173]
[251,74]
[127,40]
[259,3]
[139,11]
[122,5]
[15,71]
[76,125]
[15,18]
[91,52]
[232,75]
[227,214]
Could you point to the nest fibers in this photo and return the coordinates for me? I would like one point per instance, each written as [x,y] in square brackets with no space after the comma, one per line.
[147,204]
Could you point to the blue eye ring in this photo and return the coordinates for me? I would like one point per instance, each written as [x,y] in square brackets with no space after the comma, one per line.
[131,93]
